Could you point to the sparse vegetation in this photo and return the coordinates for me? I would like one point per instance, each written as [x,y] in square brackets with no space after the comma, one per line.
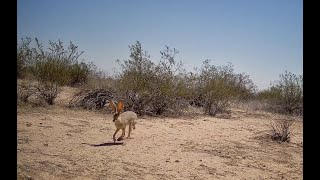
[25,89]
[24,57]
[281,130]
[285,95]
[52,68]
[219,86]
[166,87]
[150,87]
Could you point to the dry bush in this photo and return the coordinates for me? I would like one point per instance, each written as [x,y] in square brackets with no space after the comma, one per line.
[28,93]
[91,99]
[48,91]
[36,93]
[281,130]
[25,89]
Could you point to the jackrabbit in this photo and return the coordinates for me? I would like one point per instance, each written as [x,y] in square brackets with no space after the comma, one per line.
[121,120]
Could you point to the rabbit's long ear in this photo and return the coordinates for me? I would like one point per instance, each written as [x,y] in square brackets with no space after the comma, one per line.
[120,106]
[113,106]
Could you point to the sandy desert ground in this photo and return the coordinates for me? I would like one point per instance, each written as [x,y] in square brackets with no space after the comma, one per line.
[60,143]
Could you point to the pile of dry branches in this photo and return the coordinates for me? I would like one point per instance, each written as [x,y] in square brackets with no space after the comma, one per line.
[90,99]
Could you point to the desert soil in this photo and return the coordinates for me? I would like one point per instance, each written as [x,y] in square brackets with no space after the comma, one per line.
[60,143]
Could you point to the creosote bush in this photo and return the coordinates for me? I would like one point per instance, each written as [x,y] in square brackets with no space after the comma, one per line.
[285,95]
[148,87]
[24,57]
[52,67]
[218,86]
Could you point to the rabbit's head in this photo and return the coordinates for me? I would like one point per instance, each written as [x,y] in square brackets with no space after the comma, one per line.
[117,110]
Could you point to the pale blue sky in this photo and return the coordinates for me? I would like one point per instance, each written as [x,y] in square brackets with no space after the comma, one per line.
[261,38]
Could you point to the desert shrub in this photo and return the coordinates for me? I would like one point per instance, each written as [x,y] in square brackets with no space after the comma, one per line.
[148,87]
[134,81]
[56,54]
[56,64]
[48,91]
[218,87]
[79,73]
[25,89]
[165,87]
[56,67]
[24,57]
[281,130]
[167,91]
[285,95]
[50,69]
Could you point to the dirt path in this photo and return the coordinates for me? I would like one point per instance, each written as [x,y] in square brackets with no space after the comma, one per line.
[60,143]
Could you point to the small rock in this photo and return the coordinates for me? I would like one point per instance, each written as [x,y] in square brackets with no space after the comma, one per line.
[176,161]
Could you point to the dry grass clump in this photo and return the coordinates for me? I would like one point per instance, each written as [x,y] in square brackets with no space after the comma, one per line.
[281,130]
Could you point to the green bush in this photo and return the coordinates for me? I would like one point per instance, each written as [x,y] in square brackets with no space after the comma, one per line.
[219,86]
[79,73]
[148,87]
[134,81]
[285,95]
[52,67]
[24,57]
[55,65]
